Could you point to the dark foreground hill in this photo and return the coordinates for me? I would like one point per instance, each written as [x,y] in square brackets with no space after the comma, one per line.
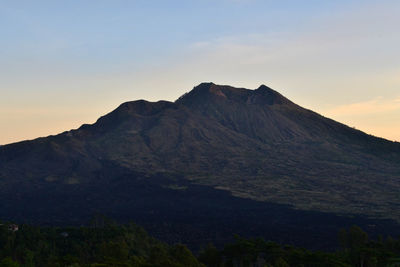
[221,158]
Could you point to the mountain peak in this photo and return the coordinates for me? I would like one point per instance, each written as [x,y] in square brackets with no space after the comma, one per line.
[263,87]
[265,95]
[216,89]
[143,107]
[206,93]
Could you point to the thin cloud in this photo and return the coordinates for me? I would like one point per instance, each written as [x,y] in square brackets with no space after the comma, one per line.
[373,106]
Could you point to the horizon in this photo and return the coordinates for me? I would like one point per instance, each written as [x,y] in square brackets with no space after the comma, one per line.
[67,64]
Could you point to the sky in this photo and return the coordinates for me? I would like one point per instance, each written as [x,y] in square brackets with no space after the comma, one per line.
[66,63]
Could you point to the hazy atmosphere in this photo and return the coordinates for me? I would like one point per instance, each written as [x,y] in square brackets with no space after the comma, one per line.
[65,63]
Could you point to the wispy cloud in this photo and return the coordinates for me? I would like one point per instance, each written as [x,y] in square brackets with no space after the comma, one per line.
[379,116]
[373,106]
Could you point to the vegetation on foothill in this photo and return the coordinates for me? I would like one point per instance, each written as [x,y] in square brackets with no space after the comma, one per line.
[106,243]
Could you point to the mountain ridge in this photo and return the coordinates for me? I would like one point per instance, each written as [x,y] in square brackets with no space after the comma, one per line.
[254,144]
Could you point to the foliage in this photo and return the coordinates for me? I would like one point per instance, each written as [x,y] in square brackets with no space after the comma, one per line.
[357,250]
[103,243]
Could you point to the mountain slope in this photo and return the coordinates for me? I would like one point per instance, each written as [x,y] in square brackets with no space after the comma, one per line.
[255,144]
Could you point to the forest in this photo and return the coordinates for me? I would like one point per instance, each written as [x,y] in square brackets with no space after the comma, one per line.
[104,242]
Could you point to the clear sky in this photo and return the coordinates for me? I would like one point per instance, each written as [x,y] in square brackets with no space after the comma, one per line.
[65,63]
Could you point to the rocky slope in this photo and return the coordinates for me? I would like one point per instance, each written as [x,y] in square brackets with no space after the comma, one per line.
[254,144]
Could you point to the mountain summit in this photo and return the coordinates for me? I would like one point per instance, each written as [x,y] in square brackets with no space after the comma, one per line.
[252,144]
[207,92]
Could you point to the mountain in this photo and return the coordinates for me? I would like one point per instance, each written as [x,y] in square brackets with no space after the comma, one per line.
[213,147]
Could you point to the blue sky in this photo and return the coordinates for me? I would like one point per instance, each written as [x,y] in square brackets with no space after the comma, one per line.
[64,63]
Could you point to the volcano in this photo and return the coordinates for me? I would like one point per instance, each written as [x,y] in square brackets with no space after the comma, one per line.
[219,159]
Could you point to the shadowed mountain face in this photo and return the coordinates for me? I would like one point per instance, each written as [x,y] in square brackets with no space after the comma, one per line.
[253,144]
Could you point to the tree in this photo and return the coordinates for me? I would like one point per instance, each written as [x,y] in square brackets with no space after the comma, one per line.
[357,238]
[210,256]
[8,262]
